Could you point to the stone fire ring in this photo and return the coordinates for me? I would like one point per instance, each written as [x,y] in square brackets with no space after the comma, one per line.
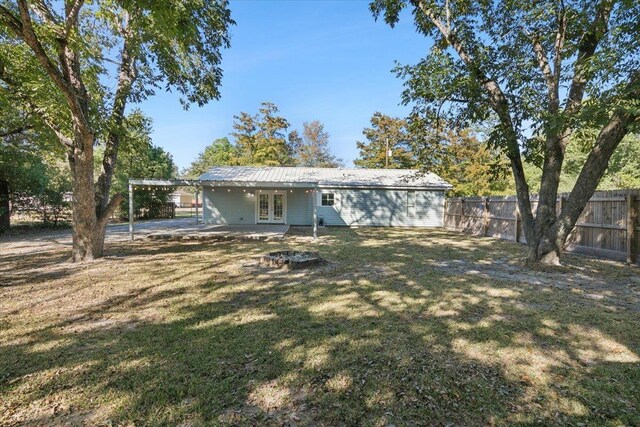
[291,259]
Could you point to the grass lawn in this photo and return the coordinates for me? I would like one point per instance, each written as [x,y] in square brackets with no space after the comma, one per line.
[402,327]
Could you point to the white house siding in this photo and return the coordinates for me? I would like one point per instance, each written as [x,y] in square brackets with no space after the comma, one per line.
[378,207]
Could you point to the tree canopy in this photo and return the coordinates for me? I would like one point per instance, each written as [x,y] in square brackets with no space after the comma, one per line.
[547,70]
[265,139]
[312,149]
[386,133]
[73,66]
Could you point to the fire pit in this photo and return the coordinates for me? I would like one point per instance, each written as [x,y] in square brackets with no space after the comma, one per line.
[291,259]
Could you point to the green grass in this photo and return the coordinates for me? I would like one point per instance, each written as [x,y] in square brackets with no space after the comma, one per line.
[403,327]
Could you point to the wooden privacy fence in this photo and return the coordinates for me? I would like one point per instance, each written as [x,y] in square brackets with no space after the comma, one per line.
[164,211]
[608,227]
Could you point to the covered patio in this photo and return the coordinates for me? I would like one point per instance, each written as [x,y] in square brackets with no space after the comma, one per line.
[194,228]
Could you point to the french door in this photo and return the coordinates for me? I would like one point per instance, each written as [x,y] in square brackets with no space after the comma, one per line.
[271,207]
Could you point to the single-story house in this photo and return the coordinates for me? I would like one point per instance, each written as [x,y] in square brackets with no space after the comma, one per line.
[333,196]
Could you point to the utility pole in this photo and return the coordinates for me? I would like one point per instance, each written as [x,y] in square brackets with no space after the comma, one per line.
[386,154]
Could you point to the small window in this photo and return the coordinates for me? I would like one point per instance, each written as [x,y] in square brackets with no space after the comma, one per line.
[327,199]
[411,204]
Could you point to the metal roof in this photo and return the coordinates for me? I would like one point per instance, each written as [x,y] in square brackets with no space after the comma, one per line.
[325,177]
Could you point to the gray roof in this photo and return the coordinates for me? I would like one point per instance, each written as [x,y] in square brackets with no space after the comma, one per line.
[325,177]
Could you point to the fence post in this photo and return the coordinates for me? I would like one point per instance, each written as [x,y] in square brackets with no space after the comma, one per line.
[517,222]
[485,225]
[444,216]
[462,214]
[632,218]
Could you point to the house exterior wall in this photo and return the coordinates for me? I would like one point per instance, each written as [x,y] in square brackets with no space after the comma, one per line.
[352,207]
[380,207]
[220,206]
[300,207]
[230,205]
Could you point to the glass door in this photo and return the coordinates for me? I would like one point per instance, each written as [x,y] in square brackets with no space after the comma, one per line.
[263,207]
[271,207]
[278,207]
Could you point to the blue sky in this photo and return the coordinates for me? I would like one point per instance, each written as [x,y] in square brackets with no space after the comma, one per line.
[316,60]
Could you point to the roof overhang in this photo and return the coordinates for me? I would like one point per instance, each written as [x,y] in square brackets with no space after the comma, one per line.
[165,182]
[258,184]
[266,184]
[385,187]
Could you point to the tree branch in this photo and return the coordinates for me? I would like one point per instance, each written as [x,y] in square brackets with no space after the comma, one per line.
[42,10]
[10,20]
[586,50]
[29,36]
[72,11]
[15,91]
[559,43]
[608,139]
[547,73]
[500,105]
[103,217]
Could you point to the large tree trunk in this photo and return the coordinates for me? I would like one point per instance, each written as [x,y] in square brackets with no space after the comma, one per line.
[84,207]
[546,247]
[5,208]
[88,227]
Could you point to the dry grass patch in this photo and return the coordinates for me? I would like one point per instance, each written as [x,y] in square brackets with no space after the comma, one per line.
[403,327]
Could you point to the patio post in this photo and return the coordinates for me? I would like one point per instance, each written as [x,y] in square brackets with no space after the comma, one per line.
[197,204]
[315,214]
[131,211]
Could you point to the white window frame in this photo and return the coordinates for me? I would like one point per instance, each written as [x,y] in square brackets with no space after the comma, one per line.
[411,204]
[327,193]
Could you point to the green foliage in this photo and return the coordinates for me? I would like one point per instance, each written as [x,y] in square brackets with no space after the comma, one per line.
[263,140]
[139,158]
[220,152]
[57,62]
[589,50]
[386,132]
[312,149]
[37,182]
[176,42]
[499,36]
[245,137]
[623,171]
[470,165]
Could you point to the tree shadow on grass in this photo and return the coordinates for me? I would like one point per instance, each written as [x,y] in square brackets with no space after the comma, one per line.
[371,339]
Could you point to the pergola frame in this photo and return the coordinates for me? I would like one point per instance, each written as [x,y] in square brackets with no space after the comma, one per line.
[198,183]
[158,183]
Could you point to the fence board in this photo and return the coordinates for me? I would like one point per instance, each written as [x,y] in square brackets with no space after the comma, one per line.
[602,229]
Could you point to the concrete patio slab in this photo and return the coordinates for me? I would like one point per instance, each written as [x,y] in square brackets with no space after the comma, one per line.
[175,229]
[222,232]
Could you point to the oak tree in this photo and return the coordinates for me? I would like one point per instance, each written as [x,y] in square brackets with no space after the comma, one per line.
[547,70]
[74,66]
